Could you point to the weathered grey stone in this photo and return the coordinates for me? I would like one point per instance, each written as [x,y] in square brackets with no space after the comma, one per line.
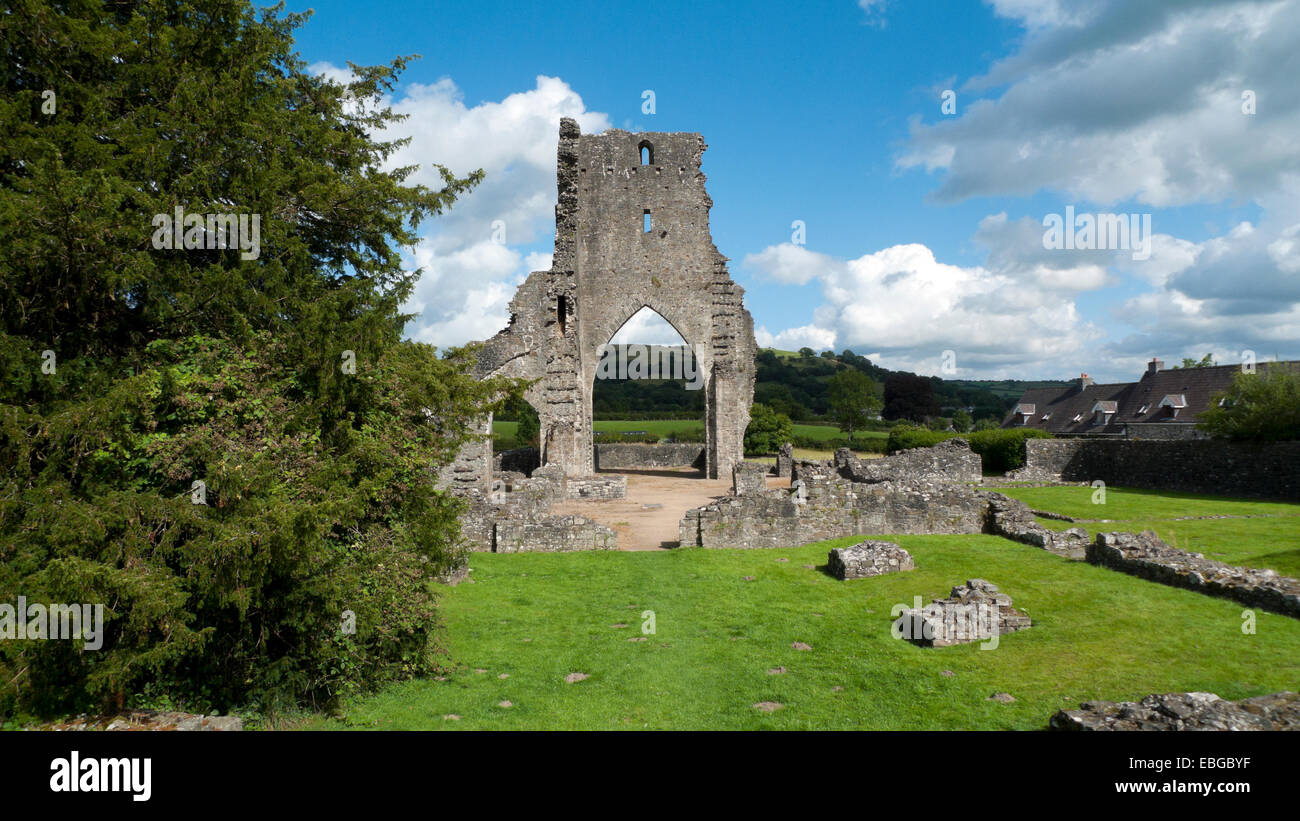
[949,461]
[1184,711]
[623,455]
[1012,519]
[1268,470]
[595,487]
[748,477]
[605,268]
[870,558]
[552,534]
[975,611]
[784,460]
[1145,555]
[822,503]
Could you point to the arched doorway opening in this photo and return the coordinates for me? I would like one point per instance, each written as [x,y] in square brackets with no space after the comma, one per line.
[648,388]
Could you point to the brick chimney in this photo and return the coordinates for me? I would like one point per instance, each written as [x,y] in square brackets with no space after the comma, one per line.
[1082,382]
[1154,365]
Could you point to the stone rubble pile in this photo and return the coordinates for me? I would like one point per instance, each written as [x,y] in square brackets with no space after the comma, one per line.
[870,558]
[1184,711]
[975,611]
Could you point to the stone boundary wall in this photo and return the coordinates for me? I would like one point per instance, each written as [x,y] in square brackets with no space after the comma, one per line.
[1264,470]
[1145,556]
[624,455]
[1013,519]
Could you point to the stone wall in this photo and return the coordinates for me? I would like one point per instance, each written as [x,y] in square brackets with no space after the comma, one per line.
[1262,470]
[835,507]
[1144,555]
[627,455]
[552,534]
[515,516]
[748,477]
[595,487]
[948,461]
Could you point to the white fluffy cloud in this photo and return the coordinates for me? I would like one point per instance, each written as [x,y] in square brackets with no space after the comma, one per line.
[1109,102]
[908,308]
[472,258]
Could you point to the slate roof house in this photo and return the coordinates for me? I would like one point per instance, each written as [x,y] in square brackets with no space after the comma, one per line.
[1163,404]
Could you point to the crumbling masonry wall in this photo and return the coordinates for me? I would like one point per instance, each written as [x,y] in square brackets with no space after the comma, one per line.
[912,493]
[605,269]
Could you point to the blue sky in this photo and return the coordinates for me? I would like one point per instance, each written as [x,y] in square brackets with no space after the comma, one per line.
[923,228]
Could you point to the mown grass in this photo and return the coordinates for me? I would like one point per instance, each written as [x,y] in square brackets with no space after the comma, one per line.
[540,617]
[1270,539]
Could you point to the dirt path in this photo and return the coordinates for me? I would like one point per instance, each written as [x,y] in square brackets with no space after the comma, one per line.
[656,500]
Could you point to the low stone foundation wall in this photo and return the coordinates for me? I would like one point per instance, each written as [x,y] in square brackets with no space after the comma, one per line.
[552,534]
[1012,519]
[1144,555]
[835,507]
[620,455]
[848,497]
[1262,470]
[515,516]
[595,487]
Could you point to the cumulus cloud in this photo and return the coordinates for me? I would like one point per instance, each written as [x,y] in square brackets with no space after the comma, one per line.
[1108,102]
[908,307]
[473,257]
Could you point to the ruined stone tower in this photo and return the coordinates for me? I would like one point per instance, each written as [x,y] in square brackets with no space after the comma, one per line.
[631,231]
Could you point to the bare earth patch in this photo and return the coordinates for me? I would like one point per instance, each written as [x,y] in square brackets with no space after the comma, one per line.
[573,677]
[656,500]
[768,706]
[798,645]
[776,671]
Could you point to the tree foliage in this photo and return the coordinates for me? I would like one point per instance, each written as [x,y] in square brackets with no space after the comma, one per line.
[132,374]
[1262,407]
[767,431]
[852,399]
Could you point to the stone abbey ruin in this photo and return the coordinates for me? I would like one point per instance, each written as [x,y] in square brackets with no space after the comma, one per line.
[632,232]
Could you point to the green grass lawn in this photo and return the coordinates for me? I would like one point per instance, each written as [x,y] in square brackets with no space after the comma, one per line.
[1270,539]
[539,617]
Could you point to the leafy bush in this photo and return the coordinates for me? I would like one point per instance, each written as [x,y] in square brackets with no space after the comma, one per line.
[999,450]
[873,444]
[685,435]
[767,431]
[1263,407]
[1003,450]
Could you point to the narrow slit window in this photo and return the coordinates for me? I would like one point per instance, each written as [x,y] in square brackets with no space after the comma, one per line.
[645,221]
[561,311]
[647,154]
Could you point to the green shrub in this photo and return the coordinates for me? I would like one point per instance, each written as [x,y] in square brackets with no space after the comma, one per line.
[767,431]
[1003,450]
[999,450]
[1262,407]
